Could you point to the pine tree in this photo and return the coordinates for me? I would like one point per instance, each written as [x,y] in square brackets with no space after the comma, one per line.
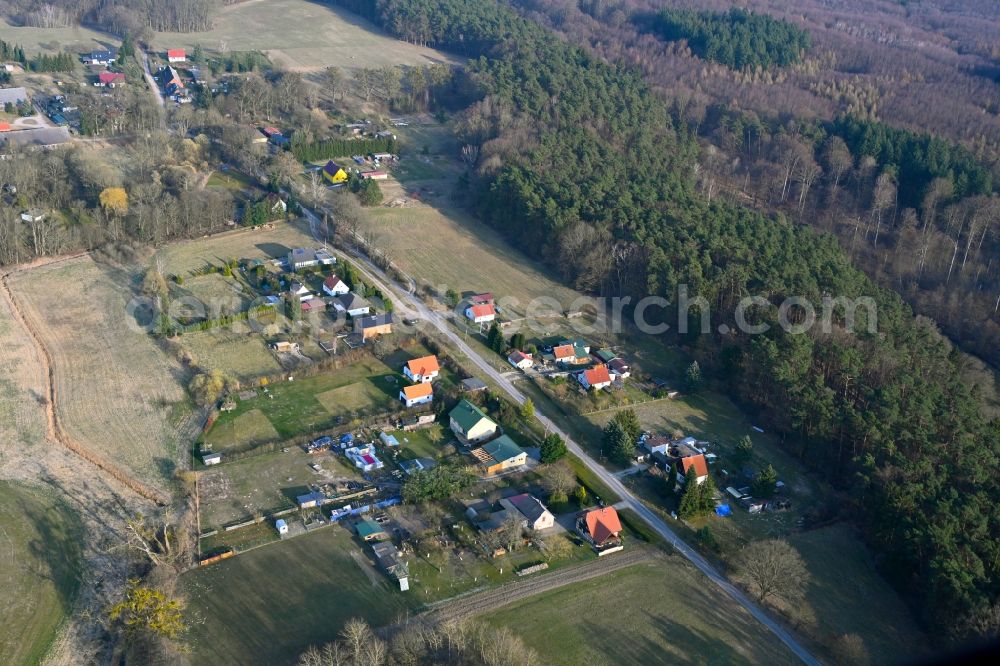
[618,446]
[495,338]
[707,494]
[692,377]
[629,421]
[553,448]
[691,501]
[765,483]
[744,451]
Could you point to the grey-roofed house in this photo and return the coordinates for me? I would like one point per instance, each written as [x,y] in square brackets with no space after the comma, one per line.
[389,559]
[374,325]
[473,384]
[536,516]
[352,304]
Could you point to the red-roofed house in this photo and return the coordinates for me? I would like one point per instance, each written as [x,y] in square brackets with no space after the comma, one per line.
[4,127]
[334,286]
[110,79]
[418,394]
[595,378]
[176,55]
[423,369]
[270,131]
[520,360]
[699,465]
[602,528]
[482,299]
[374,175]
[313,305]
[479,314]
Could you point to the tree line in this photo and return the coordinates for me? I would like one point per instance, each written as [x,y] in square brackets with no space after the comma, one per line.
[601,186]
[738,38]
[310,151]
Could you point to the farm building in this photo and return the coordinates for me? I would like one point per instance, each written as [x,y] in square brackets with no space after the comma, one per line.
[369,530]
[334,173]
[373,326]
[334,286]
[473,385]
[417,394]
[309,500]
[595,378]
[423,369]
[602,529]
[500,455]
[303,257]
[285,347]
[470,424]
[480,314]
[176,55]
[520,360]
[352,304]
[485,298]
[211,458]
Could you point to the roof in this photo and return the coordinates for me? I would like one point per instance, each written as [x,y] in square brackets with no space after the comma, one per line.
[280,522]
[606,355]
[110,77]
[418,391]
[563,351]
[698,462]
[351,301]
[4,127]
[313,304]
[332,168]
[486,297]
[376,320]
[271,131]
[332,281]
[176,53]
[303,254]
[473,384]
[467,415]
[618,365]
[367,527]
[96,55]
[12,95]
[482,310]
[502,448]
[517,356]
[314,496]
[530,506]
[597,375]
[602,523]
[424,365]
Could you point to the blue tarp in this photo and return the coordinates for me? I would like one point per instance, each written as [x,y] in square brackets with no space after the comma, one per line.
[723,510]
[346,439]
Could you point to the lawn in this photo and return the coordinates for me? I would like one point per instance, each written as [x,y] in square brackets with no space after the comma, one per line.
[39,571]
[645,614]
[236,354]
[266,606]
[233,181]
[74,38]
[143,420]
[306,404]
[849,596]
[301,36]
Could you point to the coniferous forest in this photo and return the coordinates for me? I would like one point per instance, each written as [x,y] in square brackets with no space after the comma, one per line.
[576,153]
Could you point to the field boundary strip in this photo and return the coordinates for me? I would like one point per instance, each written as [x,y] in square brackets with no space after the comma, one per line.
[54,429]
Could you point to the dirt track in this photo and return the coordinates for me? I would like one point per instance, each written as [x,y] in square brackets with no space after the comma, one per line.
[54,429]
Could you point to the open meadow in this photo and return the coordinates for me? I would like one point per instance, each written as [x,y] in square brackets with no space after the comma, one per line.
[645,614]
[301,36]
[39,571]
[143,418]
[267,605]
[74,38]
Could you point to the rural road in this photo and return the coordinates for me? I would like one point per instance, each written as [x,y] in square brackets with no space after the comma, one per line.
[437,320]
[150,80]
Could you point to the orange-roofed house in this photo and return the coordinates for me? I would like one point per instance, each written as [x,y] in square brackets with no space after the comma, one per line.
[423,369]
[595,378]
[479,314]
[4,127]
[176,55]
[417,394]
[602,528]
[699,465]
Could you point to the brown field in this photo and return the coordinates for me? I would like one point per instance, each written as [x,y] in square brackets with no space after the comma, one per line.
[142,419]
[302,36]
[75,38]
[239,355]
[22,387]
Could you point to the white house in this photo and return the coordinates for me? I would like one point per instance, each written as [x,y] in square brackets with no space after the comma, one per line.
[300,290]
[176,55]
[520,360]
[479,314]
[536,516]
[33,215]
[595,378]
[417,394]
[352,304]
[334,286]
[423,369]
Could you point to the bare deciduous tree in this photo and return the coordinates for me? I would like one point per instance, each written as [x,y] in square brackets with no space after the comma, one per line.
[773,569]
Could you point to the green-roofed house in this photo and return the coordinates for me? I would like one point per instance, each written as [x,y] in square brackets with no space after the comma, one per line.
[369,530]
[604,355]
[470,424]
[501,454]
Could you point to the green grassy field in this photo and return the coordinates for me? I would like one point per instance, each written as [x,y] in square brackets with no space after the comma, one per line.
[646,614]
[76,39]
[306,404]
[848,596]
[267,605]
[301,36]
[39,571]
[239,355]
